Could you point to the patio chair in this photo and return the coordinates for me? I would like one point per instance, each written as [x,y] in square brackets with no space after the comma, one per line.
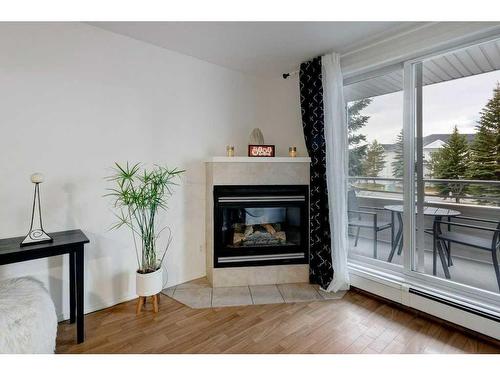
[490,243]
[359,218]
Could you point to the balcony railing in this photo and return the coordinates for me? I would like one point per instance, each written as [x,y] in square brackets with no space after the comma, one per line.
[473,192]
[470,198]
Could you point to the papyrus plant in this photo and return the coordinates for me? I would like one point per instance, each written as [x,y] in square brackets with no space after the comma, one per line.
[139,195]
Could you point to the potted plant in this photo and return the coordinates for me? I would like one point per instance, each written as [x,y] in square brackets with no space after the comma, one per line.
[139,196]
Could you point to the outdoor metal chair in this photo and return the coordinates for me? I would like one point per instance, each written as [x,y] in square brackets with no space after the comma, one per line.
[359,218]
[490,243]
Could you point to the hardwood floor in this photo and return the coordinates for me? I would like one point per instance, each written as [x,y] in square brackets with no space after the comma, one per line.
[355,324]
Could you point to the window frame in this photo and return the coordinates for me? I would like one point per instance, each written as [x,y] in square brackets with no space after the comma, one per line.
[405,275]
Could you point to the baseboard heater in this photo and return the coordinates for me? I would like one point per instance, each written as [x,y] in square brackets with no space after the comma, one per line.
[456,305]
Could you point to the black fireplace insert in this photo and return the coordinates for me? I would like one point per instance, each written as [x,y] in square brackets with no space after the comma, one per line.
[261,225]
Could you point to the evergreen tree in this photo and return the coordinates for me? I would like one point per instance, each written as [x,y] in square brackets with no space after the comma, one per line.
[451,163]
[374,161]
[485,149]
[398,162]
[355,121]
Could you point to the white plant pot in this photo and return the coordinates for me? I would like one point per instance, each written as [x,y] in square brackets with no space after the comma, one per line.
[148,284]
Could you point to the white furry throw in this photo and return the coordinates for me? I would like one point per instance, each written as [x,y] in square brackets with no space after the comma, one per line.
[28,321]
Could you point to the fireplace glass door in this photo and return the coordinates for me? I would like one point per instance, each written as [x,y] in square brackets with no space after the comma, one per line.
[260,225]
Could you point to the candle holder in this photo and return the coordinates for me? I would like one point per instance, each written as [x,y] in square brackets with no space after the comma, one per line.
[36,234]
[292,151]
[229,150]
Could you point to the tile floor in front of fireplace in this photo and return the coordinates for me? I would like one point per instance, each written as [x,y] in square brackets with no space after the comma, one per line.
[199,294]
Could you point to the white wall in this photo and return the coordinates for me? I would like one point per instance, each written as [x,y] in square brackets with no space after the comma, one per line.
[73,100]
[278,114]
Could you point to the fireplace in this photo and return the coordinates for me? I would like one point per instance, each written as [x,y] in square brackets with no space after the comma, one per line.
[258,225]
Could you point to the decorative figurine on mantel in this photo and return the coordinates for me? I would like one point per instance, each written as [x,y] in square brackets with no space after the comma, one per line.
[36,234]
[256,137]
[256,146]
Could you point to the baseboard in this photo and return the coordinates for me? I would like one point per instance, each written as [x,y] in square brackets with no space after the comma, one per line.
[99,306]
[90,308]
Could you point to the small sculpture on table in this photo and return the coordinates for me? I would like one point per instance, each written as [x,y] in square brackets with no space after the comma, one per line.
[36,234]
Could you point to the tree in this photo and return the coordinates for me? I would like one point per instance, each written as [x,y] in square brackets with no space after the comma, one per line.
[374,161]
[398,163]
[355,121]
[485,149]
[451,163]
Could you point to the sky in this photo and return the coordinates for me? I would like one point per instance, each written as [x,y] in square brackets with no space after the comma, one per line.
[457,102]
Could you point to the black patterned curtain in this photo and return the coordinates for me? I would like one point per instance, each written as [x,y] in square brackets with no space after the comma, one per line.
[311,103]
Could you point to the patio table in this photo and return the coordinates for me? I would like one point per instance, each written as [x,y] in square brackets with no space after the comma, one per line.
[397,241]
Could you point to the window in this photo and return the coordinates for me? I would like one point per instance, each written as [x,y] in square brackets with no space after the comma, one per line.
[457,174]
[424,174]
[375,172]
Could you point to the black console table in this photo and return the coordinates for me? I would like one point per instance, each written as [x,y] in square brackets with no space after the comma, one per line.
[68,242]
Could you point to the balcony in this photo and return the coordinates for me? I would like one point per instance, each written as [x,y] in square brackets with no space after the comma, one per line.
[471,198]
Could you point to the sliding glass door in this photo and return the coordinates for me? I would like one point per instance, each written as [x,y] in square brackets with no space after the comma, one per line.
[375,167]
[424,172]
[453,130]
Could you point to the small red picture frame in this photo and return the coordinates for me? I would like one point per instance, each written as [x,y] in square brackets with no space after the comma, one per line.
[260,151]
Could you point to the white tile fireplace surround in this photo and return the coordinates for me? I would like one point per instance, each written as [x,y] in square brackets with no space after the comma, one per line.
[247,171]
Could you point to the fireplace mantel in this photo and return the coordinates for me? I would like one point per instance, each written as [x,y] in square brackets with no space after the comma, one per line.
[246,159]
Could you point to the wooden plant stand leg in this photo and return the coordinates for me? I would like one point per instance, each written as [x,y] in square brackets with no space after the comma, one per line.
[140,303]
[155,303]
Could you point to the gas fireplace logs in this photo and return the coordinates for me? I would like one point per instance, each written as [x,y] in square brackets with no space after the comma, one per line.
[259,235]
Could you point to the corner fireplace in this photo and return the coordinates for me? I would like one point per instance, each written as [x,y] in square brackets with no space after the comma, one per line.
[257,225]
